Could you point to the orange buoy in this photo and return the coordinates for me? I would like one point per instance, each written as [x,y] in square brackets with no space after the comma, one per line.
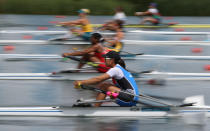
[53,22]
[207,67]
[173,23]
[42,28]
[27,37]
[168,18]
[60,16]
[186,38]
[9,48]
[156,82]
[179,29]
[197,50]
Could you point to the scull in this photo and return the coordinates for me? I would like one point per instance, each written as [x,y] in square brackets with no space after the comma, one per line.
[62,32]
[79,42]
[86,74]
[22,57]
[108,111]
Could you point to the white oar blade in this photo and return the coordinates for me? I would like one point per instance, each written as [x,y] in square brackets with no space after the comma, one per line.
[198,100]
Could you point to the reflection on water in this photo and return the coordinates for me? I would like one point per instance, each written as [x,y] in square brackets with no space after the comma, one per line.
[96,124]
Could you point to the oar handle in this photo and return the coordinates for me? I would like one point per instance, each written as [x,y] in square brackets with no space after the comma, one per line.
[73,58]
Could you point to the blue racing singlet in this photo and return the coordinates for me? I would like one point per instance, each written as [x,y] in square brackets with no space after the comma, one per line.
[128,84]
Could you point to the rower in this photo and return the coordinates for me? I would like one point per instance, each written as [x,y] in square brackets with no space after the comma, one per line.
[152,12]
[115,42]
[93,53]
[120,15]
[122,80]
[83,22]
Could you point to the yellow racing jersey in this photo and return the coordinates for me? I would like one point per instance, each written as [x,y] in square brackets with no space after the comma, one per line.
[117,47]
[87,28]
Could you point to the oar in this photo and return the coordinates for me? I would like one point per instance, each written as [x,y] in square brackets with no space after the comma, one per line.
[129,54]
[72,70]
[166,97]
[141,96]
[93,64]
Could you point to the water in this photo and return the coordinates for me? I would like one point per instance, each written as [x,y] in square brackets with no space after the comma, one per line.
[45,92]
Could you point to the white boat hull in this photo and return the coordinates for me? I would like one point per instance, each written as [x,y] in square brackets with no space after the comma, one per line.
[61,32]
[83,75]
[79,42]
[99,112]
[19,57]
[169,32]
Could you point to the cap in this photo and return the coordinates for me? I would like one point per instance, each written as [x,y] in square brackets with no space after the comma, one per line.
[153,4]
[112,54]
[98,36]
[86,11]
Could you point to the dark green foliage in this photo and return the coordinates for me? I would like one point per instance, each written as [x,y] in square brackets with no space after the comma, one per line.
[105,7]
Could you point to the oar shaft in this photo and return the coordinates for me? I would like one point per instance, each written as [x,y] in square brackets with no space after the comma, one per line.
[127,95]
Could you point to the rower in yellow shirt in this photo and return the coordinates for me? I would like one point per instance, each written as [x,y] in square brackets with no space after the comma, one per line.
[84,24]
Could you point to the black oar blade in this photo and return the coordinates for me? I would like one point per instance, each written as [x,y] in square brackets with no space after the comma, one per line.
[186,104]
[73,58]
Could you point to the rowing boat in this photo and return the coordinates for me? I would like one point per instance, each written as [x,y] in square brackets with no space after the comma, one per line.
[166,26]
[111,111]
[43,32]
[79,42]
[44,42]
[99,112]
[59,32]
[169,32]
[86,74]
[23,57]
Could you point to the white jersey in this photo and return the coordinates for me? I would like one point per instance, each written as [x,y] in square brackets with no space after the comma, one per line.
[153,10]
[120,16]
[115,73]
[124,81]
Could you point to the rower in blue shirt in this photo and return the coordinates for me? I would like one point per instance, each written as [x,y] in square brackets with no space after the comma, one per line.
[122,81]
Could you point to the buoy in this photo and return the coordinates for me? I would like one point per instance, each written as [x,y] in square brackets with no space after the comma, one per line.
[156,82]
[9,48]
[53,22]
[186,38]
[54,73]
[42,28]
[207,67]
[27,37]
[168,18]
[60,16]
[173,23]
[197,50]
[179,29]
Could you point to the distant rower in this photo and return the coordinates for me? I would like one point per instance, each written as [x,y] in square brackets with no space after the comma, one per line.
[120,15]
[152,12]
[85,26]
[115,42]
